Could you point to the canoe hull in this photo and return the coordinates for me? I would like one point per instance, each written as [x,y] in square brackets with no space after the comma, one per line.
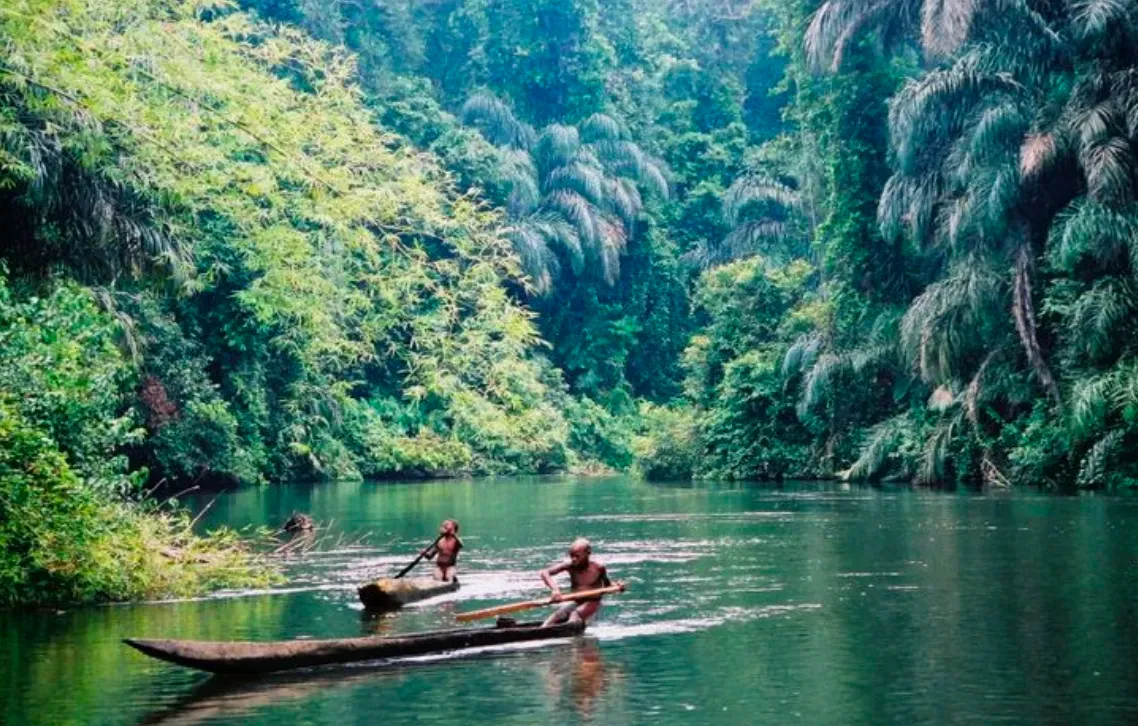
[244,658]
[387,593]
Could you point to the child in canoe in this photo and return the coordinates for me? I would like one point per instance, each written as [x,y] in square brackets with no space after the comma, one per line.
[585,573]
[445,551]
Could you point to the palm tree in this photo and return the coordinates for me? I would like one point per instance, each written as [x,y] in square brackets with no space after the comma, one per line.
[575,191]
[770,207]
[62,203]
[1018,151]
[943,25]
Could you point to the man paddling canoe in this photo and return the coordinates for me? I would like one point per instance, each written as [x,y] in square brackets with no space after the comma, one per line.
[446,549]
[585,573]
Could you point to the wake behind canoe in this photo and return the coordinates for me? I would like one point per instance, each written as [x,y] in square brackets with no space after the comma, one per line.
[388,593]
[251,658]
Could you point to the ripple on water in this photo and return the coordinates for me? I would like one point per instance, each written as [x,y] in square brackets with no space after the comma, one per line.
[619,630]
[686,517]
[779,613]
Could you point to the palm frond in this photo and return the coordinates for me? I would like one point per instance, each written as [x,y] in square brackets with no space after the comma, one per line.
[933,109]
[818,382]
[871,357]
[801,355]
[839,23]
[1038,154]
[612,242]
[587,178]
[1124,392]
[1090,402]
[534,254]
[1088,230]
[944,316]
[653,174]
[102,227]
[908,202]
[579,212]
[945,24]
[749,238]
[622,196]
[754,188]
[627,159]
[876,453]
[1094,469]
[517,170]
[1003,192]
[1093,19]
[1124,89]
[933,465]
[600,127]
[587,181]
[1109,168]
[496,121]
[535,238]
[998,130]
[557,232]
[1099,316]
[556,146]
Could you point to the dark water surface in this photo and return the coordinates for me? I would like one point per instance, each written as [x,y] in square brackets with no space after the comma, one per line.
[746,605]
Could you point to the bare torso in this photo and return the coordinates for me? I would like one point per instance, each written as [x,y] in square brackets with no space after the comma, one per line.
[589,577]
[448,548]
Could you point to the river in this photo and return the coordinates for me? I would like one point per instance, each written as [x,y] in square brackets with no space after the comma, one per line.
[746,604]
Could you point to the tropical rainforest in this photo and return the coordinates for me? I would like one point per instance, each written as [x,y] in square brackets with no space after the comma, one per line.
[251,241]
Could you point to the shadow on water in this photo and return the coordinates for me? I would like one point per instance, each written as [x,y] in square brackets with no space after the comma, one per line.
[574,673]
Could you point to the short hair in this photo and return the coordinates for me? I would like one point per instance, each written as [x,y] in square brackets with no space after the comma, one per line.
[581,543]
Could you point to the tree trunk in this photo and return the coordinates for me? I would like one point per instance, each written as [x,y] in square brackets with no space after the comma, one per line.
[1023,309]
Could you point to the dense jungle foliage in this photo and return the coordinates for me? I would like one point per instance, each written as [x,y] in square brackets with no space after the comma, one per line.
[276,239]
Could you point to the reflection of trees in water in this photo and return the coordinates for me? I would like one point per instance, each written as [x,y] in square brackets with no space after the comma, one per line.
[72,664]
[408,621]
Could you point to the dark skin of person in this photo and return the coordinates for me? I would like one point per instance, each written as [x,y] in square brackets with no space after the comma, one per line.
[446,551]
[585,573]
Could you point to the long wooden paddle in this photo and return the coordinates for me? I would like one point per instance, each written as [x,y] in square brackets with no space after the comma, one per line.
[530,604]
[414,562]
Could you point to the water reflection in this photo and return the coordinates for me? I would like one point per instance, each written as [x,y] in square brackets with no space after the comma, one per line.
[432,615]
[575,677]
[230,698]
[377,623]
[746,605]
[581,678]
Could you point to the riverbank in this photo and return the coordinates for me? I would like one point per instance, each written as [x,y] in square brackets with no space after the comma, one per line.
[76,525]
[63,544]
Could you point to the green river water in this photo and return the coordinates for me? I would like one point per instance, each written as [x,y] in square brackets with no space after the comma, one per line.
[811,604]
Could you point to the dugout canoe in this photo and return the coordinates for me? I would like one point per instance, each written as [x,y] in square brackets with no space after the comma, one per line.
[245,658]
[388,593]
